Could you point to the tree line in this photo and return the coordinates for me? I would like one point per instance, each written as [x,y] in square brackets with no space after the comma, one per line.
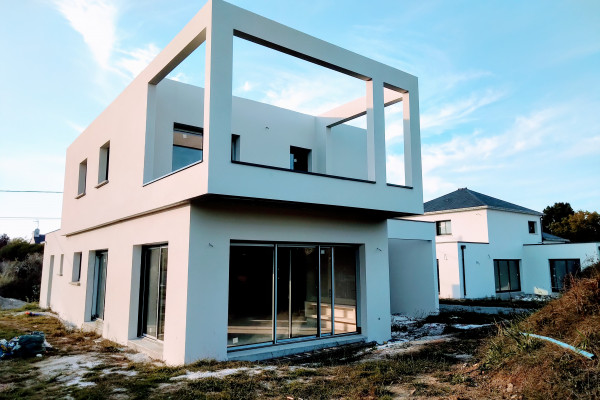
[561,220]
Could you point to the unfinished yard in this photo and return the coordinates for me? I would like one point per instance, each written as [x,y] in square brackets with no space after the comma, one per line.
[427,359]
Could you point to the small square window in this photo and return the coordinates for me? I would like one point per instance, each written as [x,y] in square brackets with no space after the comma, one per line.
[443,228]
[82,178]
[187,145]
[532,227]
[299,159]
[76,275]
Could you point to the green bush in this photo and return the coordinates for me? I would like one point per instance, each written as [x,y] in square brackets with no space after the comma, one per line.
[21,279]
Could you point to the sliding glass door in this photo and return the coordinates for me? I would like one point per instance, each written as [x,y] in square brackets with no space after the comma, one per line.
[153,292]
[280,292]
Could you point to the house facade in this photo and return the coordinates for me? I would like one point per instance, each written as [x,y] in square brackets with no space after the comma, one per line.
[197,224]
[487,247]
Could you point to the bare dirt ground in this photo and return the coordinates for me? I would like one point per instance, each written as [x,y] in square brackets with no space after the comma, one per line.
[426,359]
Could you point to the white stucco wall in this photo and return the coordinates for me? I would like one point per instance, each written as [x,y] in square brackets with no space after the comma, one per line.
[413,275]
[467,226]
[123,242]
[214,226]
[535,274]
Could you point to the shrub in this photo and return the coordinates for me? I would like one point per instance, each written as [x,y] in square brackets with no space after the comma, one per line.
[21,279]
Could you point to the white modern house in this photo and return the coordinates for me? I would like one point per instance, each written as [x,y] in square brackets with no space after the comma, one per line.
[487,247]
[198,225]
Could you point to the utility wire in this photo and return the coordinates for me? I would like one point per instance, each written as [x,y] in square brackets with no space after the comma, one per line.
[27,191]
[30,218]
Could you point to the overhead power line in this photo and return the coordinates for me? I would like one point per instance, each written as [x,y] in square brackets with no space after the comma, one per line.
[27,191]
[30,218]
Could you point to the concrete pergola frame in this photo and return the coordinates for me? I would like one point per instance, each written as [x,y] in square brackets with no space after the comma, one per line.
[216,25]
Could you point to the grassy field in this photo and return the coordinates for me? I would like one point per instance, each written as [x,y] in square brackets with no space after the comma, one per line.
[84,366]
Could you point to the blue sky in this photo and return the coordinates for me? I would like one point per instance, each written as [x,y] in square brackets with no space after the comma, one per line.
[509,90]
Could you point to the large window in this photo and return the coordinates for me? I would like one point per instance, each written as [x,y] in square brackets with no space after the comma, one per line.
[443,228]
[280,292]
[560,270]
[187,145]
[508,278]
[153,292]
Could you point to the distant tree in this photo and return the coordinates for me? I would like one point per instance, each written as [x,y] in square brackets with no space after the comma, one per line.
[4,239]
[555,213]
[582,226]
[18,249]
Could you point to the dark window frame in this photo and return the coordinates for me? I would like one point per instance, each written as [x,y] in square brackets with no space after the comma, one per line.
[552,264]
[187,130]
[447,224]
[532,225]
[510,283]
[300,159]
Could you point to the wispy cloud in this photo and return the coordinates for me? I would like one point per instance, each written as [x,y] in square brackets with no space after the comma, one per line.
[458,111]
[134,61]
[96,21]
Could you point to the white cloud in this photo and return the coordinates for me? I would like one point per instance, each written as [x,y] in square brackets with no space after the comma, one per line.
[136,60]
[96,21]
[458,111]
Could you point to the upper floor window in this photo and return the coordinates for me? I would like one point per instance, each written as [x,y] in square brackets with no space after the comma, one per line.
[62,260]
[103,163]
[235,147]
[443,228]
[299,159]
[82,178]
[187,145]
[532,226]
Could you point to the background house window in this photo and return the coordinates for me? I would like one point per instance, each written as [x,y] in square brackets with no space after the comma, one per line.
[82,178]
[299,159]
[532,226]
[443,228]
[507,275]
[60,267]
[103,163]
[76,274]
[560,270]
[235,147]
[187,145]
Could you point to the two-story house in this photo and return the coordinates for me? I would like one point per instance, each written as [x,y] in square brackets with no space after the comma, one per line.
[487,247]
[197,224]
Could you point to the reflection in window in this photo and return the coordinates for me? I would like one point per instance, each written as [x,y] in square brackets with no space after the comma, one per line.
[314,292]
[443,228]
[560,270]
[187,145]
[506,273]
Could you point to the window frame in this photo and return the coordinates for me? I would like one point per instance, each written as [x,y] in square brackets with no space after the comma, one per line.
[556,288]
[532,226]
[184,129]
[103,164]
[297,152]
[76,271]
[447,223]
[82,179]
[497,282]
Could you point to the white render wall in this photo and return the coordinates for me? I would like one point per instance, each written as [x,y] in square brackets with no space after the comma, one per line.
[535,277]
[214,226]
[413,275]
[123,242]
[467,226]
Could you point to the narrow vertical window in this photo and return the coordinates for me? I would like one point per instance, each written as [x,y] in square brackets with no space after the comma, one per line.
[60,268]
[235,147]
[99,288]
[187,145]
[103,163]
[76,274]
[82,178]
[153,292]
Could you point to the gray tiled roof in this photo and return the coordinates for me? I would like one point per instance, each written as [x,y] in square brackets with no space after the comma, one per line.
[553,238]
[466,198]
